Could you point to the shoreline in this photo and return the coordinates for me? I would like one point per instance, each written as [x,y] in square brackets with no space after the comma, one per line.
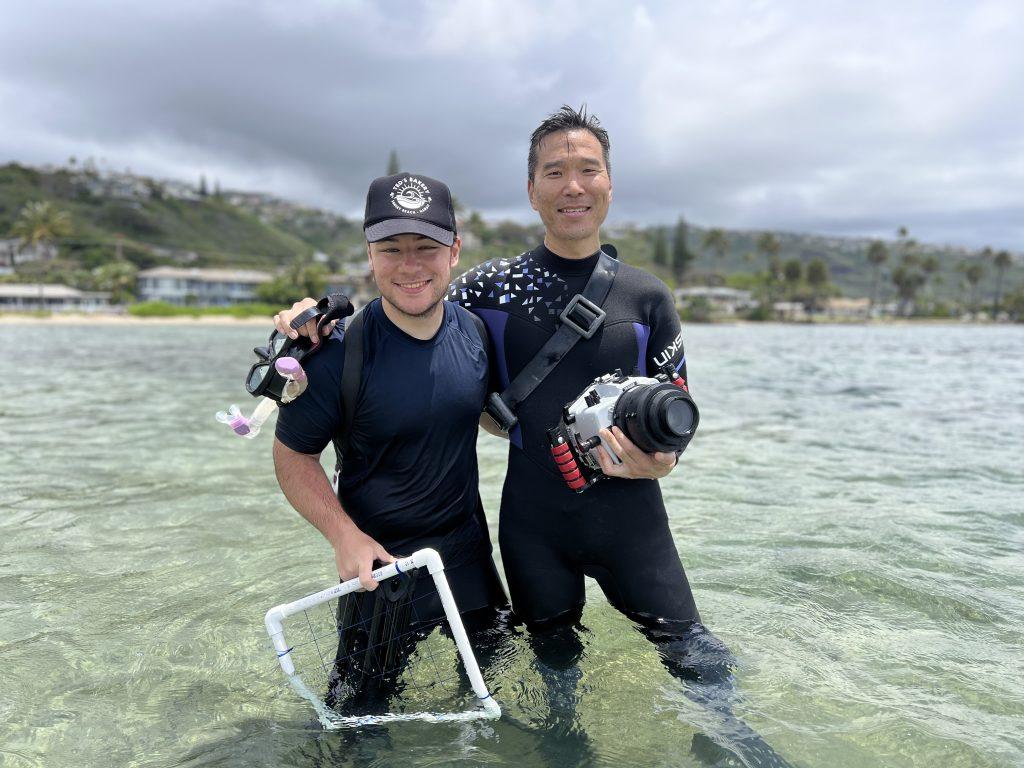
[72,318]
[78,318]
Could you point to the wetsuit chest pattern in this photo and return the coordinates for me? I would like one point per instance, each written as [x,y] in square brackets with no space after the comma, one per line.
[519,299]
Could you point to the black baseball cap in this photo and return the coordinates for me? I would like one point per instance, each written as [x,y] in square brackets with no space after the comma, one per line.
[409,203]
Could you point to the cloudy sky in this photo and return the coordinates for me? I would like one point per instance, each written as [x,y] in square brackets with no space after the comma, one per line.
[831,117]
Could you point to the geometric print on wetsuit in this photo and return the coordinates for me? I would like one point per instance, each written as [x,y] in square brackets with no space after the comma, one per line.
[508,283]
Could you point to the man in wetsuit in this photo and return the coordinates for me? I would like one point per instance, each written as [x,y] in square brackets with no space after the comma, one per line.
[409,477]
[617,532]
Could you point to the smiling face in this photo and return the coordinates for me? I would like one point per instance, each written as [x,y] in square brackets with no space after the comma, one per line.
[571,190]
[412,272]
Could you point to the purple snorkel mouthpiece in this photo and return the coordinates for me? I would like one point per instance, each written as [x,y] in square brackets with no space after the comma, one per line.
[289,366]
[240,425]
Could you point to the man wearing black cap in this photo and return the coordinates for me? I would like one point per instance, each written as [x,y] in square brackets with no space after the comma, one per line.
[408,479]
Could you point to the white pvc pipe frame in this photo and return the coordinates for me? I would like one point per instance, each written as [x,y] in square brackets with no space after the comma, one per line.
[428,558]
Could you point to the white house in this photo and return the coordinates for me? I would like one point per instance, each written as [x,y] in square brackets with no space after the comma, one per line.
[723,300]
[22,297]
[847,309]
[14,251]
[201,287]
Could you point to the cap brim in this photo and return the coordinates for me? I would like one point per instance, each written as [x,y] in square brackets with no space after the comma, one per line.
[391,227]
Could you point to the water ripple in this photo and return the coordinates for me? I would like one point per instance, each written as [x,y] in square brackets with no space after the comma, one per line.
[851,525]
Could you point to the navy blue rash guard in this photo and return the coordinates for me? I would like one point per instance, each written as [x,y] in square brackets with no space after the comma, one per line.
[410,480]
[617,531]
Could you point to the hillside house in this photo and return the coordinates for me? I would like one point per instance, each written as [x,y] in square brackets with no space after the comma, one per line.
[725,301]
[200,287]
[30,297]
[14,251]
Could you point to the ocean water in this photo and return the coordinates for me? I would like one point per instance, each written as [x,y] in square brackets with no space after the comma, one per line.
[851,517]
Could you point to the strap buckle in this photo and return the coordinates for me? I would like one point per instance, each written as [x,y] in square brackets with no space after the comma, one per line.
[582,315]
[503,416]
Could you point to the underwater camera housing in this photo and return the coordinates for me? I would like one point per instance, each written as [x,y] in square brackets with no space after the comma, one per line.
[657,414]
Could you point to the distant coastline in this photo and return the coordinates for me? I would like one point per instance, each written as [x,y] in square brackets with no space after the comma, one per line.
[103,318]
[98,318]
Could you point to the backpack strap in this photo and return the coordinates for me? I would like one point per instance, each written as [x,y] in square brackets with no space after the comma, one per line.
[580,319]
[350,376]
[481,329]
[352,373]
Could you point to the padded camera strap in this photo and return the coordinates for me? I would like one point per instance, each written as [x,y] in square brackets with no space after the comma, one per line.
[580,319]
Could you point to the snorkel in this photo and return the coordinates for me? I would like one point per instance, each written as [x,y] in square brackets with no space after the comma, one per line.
[249,427]
[277,376]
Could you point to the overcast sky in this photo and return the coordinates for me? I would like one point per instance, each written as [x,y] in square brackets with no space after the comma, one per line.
[830,117]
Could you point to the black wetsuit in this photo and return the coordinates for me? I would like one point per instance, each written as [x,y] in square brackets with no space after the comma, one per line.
[617,531]
[410,479]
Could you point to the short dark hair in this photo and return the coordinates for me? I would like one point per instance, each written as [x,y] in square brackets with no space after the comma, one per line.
[568,119]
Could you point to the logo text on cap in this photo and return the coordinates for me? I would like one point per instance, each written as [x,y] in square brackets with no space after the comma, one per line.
[410,195]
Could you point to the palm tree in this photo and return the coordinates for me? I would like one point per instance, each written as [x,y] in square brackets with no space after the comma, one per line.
[908,277]
[39,224]
[929,265]
[793,272]
[907,246]
[908,281]
[817,277]
[660,247]
[768,246]
[878,254]
[716,241]
[681,254]
[1002,261]
[974,272]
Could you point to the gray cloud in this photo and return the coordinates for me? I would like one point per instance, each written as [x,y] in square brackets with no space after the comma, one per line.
[826,117]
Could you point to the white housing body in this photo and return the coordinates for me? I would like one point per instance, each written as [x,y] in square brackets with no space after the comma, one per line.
[590,418]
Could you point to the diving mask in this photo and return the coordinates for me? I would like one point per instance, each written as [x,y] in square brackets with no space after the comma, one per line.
[264,378]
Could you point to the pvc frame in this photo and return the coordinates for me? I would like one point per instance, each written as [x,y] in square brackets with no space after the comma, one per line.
[431,560]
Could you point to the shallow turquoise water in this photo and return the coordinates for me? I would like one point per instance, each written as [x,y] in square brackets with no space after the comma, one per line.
[850,516]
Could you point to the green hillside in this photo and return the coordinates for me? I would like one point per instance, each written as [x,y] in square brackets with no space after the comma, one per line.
[149,222]
[152,225]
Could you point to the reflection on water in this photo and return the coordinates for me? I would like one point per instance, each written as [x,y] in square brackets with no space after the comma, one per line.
[849,517]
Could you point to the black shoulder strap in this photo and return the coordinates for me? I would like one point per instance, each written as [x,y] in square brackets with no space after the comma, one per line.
[581,319]
[352,372]
[350,375]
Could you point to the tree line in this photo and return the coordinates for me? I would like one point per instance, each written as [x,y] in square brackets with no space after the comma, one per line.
[912,273]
